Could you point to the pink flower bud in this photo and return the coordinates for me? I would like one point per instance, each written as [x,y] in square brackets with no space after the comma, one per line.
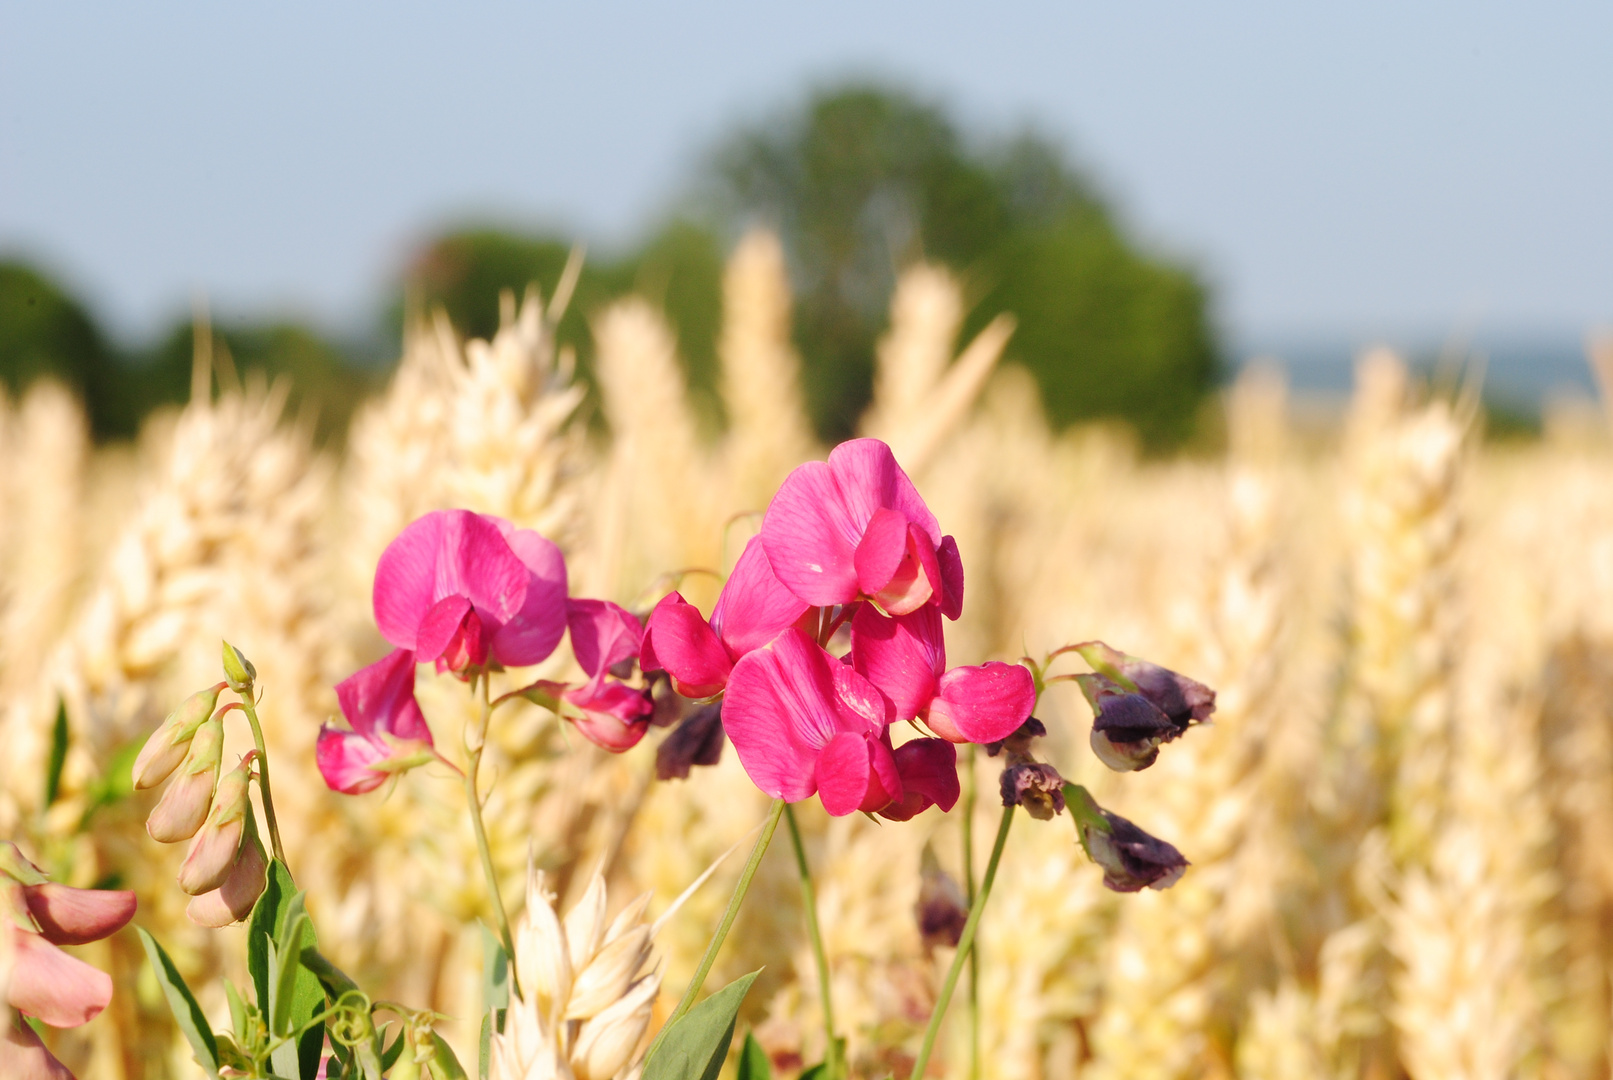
[184,805]
[168,744]
[213,852]
[232,901]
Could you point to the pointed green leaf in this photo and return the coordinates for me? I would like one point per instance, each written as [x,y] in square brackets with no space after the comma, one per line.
[446,1064]
[390,1057]
[820,1071]
[286,963]
[58,754]
[182,1003]
[695,1046]
[237,1010]
[269,917]
[754,1064]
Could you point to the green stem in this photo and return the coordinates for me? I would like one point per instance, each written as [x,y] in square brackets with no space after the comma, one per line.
[473,754]
[740,889]
[965,944]
[969,892]
[248,707]
[809,903]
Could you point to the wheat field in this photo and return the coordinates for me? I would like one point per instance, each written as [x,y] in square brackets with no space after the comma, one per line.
[1400,821]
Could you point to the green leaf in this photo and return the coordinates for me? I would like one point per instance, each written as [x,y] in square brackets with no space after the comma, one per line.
[754,1063]
[390,1057]
[820,1071]
[182,1003]
[237,1010]
[446,1064]
[696,1045]
[495,973]
[299,1059]
[58,754]
[484,1046]
[286,962]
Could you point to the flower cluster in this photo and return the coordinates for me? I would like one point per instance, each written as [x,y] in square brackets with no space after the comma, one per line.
[845,543]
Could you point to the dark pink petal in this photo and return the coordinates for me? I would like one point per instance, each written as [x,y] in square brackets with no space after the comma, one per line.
[51,986]
[881,550]
[406,579]
[380,698]
[345,759]
[843,773]
[811,538]
[615,716]
[25,1056]
[982,704]
[754,605]
[603,634]
[69,916]
[951,564]
[444,622]
[477,562]
[780,710]
[679,642]
[929,770]
[869,478]
[917,576]
[904,656]
[533,632]
[862,706]
[885,781]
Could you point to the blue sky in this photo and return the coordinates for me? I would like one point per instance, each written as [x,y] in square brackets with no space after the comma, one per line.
[1350,169]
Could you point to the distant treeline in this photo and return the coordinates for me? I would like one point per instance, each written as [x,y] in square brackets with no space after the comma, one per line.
[859,182]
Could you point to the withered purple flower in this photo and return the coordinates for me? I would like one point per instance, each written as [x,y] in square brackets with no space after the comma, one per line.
[696,741]
[1137,706]
[942,909]
[1131,859]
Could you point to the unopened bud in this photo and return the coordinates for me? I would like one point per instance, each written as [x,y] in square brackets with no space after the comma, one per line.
[232,901]
[1131,859]
[167,746]
[605,1044]
[213,852]
[1036,786]
[1184,701]
[238,670]
[696,741]
[942,909]
[184,805]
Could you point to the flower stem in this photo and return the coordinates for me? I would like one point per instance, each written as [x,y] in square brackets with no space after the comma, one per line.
[969,893]
[809,902]
[740,889]
[250,708]
[473,761]
[965,946]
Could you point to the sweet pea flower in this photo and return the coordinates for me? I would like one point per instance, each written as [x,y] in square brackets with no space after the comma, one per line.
[605,636]
[751,609]
[905,657]
[855,527]
[388,732]
[466,591]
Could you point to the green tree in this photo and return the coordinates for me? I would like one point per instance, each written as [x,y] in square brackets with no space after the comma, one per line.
[45,331]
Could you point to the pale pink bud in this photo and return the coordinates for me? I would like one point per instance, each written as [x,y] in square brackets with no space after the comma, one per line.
[168,744]
[184,805]
[213,852]
[232,901]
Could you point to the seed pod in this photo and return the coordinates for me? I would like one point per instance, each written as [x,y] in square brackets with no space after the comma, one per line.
[212,853]
[184,805]
[168,744]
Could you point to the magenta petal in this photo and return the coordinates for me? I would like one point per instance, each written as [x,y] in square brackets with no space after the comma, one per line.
[843,772]
[406,579]
[982,704]
[533,632]
[345,759]
[69,916]
[680,643]
[754,605]
[869,478]
[615,716]
[380,697]
[881,550]
[780,710]
[443,622]
[862,705]
[929,770]
[603,634]
[951,564]
[478,563]
[53,987]
[903,656]
[811,539]
[885,782]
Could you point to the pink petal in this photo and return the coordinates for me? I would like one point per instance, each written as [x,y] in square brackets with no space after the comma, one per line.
[982,704]
[344,759]
[380,698]
[406,577]
[903,656]
[843,773]
[477,562]
[69,916]
[869,478]
[53,987]
[615,716]
[232,901]
[780,710]
[679,642]
[885,782]
[929,770]
[811,538]
[26,1057]
[533,632]
[444,622]
[881,550]
[754,605]
[951,565]
[603,634]
[916,579]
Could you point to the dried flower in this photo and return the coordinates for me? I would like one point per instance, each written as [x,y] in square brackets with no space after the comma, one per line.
[942,909]
[1131,859]
[698,740]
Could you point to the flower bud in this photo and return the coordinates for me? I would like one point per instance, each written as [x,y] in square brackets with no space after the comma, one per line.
[1131,859]
[696,741]
[183,806]
[1036,786]
[238,670]
[166,747]
[1184,701]
[605,1044]
[232,901]
[212,853]
[1127,729]
[942,908]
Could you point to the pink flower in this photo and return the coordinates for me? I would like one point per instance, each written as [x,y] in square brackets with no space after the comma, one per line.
[855,527]
[604,635]
[462,589]
[752,608]
[388,733]
[906,658]
[929,771]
